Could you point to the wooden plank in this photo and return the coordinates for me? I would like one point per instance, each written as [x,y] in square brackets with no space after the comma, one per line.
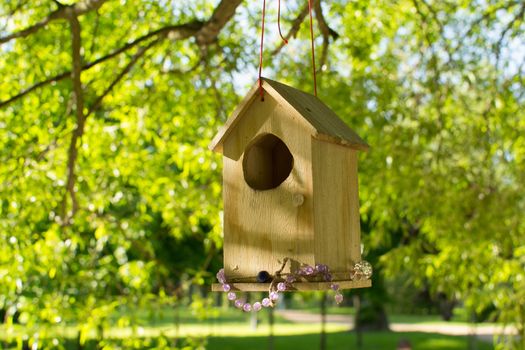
[217,142]
[299,286]
[256,122]
[336,206]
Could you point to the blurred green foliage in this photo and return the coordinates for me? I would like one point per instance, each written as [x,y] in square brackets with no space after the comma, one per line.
[435,87]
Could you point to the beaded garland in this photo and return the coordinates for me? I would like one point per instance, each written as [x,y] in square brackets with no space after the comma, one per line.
[361,270]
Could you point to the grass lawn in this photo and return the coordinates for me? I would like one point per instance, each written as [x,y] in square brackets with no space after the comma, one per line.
[230,329]
[299,336]
[345,340]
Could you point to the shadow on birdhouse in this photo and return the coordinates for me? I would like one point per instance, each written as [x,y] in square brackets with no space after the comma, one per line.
[290,189]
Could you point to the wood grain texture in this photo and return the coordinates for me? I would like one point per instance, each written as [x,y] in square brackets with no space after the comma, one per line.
[325,123]
[261,228]
[336,206]
[300,286]
[216,143]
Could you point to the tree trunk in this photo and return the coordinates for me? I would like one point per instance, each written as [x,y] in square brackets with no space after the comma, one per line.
[100,335]
[520,327]
[271,322]
[177,323]
[446,307]
[472,345]
[371,315]
[357,329]
[80,346]
[322,345]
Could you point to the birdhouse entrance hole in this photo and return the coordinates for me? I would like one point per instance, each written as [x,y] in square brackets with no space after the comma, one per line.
[267,162]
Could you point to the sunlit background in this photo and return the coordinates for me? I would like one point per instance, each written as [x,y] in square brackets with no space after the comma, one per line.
[110,201]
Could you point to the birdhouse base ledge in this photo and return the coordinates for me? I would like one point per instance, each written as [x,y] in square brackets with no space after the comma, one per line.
[297,286]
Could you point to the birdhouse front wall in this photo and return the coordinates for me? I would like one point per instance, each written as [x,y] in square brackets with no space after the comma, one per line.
[262,227]
[337,232]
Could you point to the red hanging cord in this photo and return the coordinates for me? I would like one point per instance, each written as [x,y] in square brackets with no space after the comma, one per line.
[313,50]
[279,21]
[261,91]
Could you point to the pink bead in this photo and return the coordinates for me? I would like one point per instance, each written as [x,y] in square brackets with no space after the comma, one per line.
[308,270]
[232,296]
[338,298]
[281,287]
[247,307]
[266,302]
[239,304]
[220,276]
[321,268]
[226,287]
[274,296]
[257,306]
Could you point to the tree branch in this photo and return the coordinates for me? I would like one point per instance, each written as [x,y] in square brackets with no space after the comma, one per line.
[323,25]
[222,14]
[205,33]
[441,28]
[25,32]
[516,18]
[98,102]
[22,93]
[15,9]
[178,71]
[425,21]
[296,24]
[80,118]
[63,12]
[489,13]
[173,31]
[95,33]
[433,65]
[326,32]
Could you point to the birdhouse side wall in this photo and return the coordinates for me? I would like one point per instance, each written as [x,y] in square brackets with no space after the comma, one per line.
[261,228]
[336,206]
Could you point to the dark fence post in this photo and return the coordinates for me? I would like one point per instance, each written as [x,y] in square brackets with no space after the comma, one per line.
[322,345]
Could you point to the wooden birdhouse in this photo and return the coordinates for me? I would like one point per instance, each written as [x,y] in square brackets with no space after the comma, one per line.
[290,188]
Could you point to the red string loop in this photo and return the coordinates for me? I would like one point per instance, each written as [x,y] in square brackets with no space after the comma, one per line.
[261,90]
[279,21]
[313,49]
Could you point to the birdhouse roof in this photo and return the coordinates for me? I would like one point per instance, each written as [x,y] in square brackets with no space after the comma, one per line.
[328,126]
